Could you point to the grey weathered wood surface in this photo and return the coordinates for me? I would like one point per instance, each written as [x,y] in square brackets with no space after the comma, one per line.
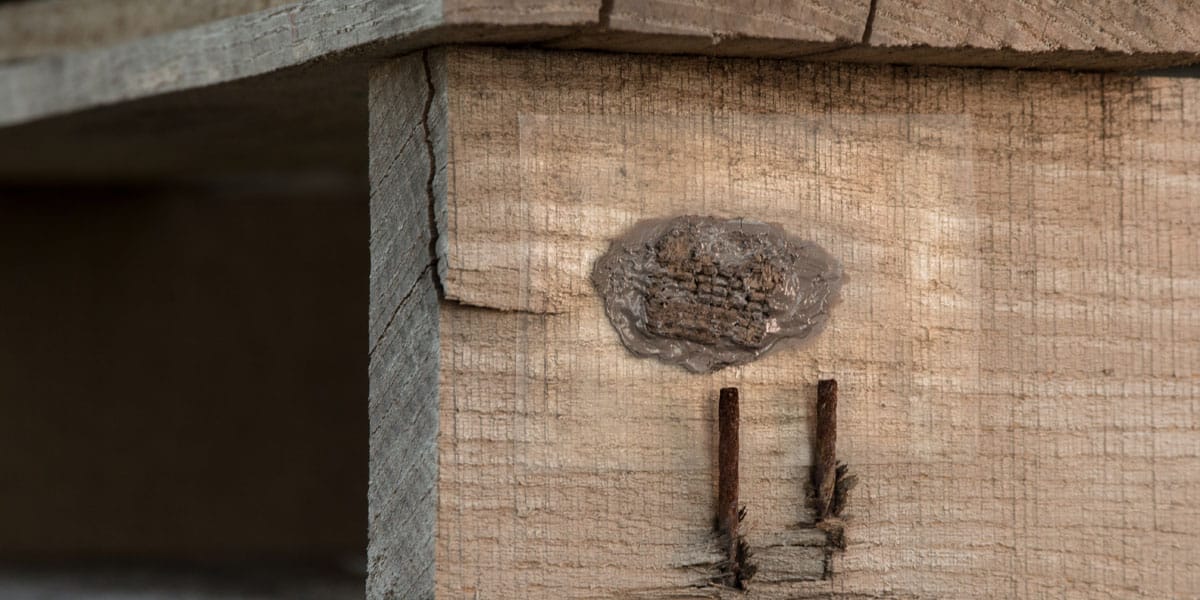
[262,43]
[408,170]
[1102,36]
[30,28]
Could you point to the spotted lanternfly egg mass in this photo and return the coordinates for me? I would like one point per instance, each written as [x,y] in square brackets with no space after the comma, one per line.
[706,293]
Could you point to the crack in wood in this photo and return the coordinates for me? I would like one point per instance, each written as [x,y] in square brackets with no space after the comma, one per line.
[430,195]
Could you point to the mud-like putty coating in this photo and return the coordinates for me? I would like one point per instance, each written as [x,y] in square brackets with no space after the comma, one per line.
[706,293]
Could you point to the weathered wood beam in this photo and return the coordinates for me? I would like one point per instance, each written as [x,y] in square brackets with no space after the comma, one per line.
[31,28]
[265,42]
[1038,34]
[408,181]
[1022,269]
[721,28]
[1044,34]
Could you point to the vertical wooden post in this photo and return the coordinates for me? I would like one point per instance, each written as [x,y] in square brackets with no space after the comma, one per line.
[407,116]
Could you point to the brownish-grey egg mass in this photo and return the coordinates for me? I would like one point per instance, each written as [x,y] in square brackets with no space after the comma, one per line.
[706,293]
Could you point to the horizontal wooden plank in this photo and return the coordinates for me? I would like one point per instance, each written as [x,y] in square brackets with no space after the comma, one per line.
[242,580]
[1145,27]
[725,28]
[262,43]
[1045,34]
[30,28]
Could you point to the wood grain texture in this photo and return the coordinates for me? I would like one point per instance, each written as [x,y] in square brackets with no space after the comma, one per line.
[262,43]
[408,153]
[815,20]
[408,125]
[290,38]
[1041,33]
[1017,349]
[30,28]
[725,28]
[521,12]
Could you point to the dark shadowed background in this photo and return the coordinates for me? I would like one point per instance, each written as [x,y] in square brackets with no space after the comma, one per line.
[182,373]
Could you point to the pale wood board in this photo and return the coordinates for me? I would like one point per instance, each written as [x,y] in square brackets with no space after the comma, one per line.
[814,20]
[1017,349]
[1044,34]
[493,13]
[1148,27]
[725,28]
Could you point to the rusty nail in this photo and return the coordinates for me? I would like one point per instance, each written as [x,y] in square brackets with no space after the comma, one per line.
[727,457]
[825,474]
[737,569]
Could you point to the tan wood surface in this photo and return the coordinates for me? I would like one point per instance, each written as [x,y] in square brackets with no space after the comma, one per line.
[1040,25]
[725,28]
[1109,34]
[1017,348]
